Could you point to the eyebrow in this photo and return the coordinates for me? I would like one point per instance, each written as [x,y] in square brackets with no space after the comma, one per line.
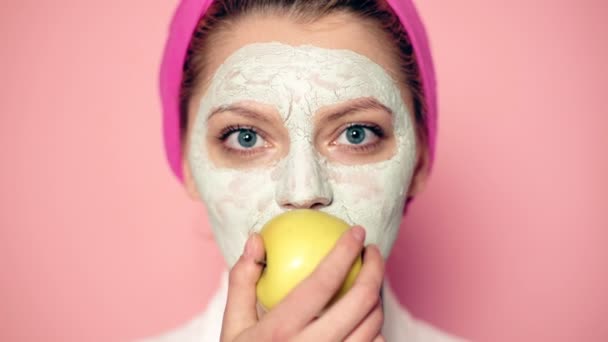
[353,106]
[358,105]
[242,111]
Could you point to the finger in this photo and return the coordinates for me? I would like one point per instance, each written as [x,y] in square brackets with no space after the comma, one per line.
[379,338]
[240,312]
[310,297]
[351,311]
[370,328]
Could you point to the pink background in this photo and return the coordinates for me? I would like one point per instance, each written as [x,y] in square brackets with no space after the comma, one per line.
[98,242]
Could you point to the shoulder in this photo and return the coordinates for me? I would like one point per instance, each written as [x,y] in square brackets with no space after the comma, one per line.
[194,330]
[206,326]
[400,325]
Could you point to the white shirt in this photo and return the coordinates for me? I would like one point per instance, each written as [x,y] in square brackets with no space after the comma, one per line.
[399,325]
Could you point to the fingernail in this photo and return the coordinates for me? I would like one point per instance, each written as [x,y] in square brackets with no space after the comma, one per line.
[249,248]
[369,247]
[358,233]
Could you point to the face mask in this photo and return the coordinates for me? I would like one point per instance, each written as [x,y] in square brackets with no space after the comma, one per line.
[298,81]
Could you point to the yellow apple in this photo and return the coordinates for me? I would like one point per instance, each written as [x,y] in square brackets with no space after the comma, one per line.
[296,242]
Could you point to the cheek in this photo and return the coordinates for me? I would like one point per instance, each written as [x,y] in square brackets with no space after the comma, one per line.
[264,203]
[226,206]
[254,190]
[236,185]
[239,197]
[364,185]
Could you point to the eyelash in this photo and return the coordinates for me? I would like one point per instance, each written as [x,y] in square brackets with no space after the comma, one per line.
[228,131]
[377,130]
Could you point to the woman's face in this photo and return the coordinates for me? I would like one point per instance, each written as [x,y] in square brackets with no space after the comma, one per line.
[305,116]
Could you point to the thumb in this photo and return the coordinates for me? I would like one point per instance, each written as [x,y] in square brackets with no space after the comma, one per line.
[240,312]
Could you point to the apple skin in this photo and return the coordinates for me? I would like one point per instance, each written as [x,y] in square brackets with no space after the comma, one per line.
[296,242]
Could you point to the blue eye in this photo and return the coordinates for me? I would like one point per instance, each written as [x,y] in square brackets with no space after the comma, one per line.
[247,138]
[358,135]
[355,134]
[243,139]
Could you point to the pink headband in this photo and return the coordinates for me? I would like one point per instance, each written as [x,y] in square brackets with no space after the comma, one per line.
[184,22]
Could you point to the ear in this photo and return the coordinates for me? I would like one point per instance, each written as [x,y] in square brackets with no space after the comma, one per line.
[421,172]
[189,183]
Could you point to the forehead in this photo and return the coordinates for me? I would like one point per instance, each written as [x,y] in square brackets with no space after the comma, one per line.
[334,31]
[304,76]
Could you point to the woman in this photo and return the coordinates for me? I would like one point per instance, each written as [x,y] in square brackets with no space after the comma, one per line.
[274,105]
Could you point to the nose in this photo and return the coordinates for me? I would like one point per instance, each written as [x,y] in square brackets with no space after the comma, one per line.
[303,183]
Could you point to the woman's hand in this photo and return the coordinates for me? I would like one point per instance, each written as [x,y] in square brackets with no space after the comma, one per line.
[357,316]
